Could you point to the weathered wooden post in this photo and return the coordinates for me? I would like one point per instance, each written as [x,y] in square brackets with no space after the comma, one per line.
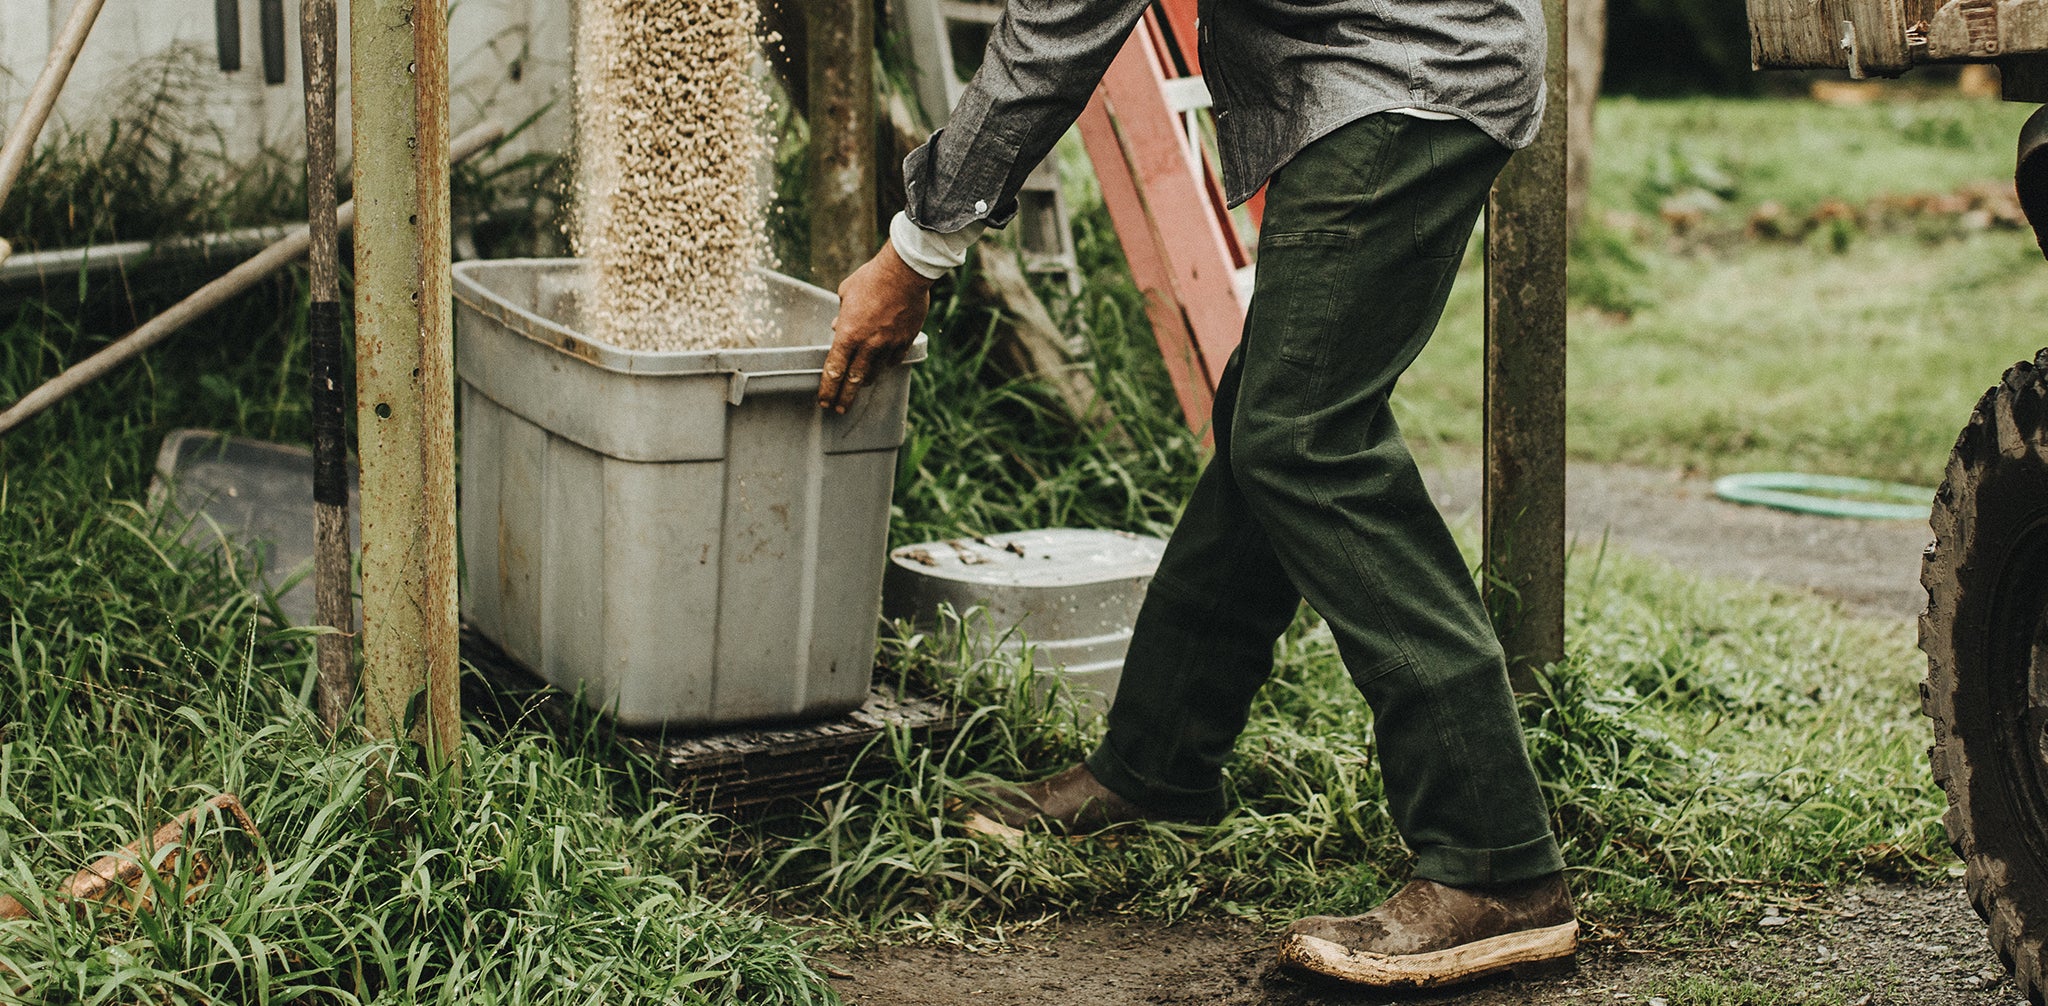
[841,113]
[1525,346]
[405,374]
[333,603]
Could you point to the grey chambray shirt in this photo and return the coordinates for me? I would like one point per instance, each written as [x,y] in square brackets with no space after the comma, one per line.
[1282,72]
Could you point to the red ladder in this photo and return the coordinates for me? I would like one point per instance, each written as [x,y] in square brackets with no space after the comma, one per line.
[1165,198]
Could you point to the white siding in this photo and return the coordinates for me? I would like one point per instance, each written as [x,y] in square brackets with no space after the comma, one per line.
[135,40]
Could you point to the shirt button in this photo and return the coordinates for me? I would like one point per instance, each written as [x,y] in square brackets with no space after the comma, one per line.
[981,206]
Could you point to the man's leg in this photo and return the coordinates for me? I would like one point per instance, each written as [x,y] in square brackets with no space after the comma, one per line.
[1363,234]
[1362,238]
[1202,645]
[1201,648]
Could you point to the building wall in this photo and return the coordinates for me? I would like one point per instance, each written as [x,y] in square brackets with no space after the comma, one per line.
[508,59]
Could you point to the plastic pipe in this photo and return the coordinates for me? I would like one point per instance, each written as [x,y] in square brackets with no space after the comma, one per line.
[43,97]
[1796,492]
[205,299]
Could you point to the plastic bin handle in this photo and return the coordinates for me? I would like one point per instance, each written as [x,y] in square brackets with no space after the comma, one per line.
[763,382]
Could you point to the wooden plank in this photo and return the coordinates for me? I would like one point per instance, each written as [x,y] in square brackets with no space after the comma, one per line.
[1865,37]
[1525,381]
[740,771]
[1147,260]
[1983,29]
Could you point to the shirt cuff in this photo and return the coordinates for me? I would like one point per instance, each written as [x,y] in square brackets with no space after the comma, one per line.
[930,253]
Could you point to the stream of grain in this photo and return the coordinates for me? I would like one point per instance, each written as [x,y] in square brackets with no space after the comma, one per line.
[672,148]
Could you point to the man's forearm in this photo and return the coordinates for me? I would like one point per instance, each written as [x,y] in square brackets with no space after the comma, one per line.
[1043,61]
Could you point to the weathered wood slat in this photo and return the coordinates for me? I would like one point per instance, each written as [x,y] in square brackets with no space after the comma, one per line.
[1982,29]
[1865,37]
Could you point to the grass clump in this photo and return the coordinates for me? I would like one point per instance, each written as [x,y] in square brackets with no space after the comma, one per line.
[1703,737]
[1856,350]
[987,453]
[142,684]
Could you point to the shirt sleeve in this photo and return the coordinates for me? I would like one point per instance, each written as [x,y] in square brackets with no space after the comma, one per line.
[1043,60]
[930,253]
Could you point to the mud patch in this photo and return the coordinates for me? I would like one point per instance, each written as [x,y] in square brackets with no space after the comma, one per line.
[1870,946]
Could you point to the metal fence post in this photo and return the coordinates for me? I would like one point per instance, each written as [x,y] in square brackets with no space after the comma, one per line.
[1525,345]
[405,375]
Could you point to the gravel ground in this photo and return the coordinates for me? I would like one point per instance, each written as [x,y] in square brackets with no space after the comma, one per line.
[1871,946]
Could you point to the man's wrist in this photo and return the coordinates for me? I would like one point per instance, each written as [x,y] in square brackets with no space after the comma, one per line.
[900,271]
[929,253]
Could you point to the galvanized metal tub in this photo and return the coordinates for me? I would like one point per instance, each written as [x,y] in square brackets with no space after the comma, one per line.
[686,538]
[1070,595]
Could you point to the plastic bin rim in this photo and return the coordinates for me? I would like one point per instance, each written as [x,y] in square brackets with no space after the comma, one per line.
[471,291]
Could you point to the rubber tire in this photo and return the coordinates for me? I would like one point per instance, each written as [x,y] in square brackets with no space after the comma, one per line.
[1985,632]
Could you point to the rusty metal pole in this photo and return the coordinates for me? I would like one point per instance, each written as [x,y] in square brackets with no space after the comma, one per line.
[405,375]
[334,653]
[1525,347]
[841,59]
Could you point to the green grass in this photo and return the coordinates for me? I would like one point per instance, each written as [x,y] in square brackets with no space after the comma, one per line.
[1851,353]
[1702,737]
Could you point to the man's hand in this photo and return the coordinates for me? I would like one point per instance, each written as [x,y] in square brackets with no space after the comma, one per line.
[881,308]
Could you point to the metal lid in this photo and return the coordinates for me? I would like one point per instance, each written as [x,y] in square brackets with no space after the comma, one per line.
[1053,557]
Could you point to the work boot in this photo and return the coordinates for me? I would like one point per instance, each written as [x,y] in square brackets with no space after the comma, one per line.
[1073,802]
[1429,934]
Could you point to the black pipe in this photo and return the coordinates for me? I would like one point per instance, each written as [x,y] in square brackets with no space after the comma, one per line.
[270,14]
[227,34]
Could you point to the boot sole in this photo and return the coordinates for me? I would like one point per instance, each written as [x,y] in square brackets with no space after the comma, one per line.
[1533,950]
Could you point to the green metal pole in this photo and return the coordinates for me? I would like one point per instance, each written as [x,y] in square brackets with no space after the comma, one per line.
[405,376]
[1525,346]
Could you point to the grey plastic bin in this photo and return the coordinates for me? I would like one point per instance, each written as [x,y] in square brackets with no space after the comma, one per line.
[686,537]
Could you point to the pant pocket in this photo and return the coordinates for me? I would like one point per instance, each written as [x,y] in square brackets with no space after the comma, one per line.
[1299,294]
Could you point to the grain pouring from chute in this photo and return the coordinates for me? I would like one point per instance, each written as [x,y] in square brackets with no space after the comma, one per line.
[673,142]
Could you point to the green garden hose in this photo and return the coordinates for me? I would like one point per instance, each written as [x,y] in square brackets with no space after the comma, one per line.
[1827,495]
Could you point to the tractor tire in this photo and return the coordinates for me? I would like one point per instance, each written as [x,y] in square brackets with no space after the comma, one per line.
[1985,633]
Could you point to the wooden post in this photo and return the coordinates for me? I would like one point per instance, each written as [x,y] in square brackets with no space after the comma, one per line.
[841,113]
[1525,347]
[332,601]
[405,374]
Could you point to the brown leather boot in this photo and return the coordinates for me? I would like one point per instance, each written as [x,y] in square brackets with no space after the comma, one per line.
[1073,801]
[1429,934]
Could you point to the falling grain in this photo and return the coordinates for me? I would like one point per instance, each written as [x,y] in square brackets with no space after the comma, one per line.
[672,144]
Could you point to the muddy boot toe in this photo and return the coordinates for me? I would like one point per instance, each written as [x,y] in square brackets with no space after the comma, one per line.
[1429,934]
[1073,801]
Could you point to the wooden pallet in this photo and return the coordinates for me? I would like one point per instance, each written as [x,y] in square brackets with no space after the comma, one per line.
[742,771]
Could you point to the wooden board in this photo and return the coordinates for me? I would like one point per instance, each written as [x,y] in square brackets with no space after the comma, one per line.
[1865,37]
[1884,38]
[740,771]
[1986,29]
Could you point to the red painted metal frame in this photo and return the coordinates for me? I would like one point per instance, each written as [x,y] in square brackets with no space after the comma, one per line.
[1165,199]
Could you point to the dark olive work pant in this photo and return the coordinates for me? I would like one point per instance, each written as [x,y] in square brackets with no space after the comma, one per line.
[1312,495]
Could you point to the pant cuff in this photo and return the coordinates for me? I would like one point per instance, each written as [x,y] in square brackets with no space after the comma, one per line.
[1456,867]
[1157,798]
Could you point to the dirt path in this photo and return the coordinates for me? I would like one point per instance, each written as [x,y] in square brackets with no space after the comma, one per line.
[1872,567]
[1881,946]
[1866,947]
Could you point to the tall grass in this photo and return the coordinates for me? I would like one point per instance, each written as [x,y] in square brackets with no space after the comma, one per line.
[986,454]
[1701,738]
[138,678]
